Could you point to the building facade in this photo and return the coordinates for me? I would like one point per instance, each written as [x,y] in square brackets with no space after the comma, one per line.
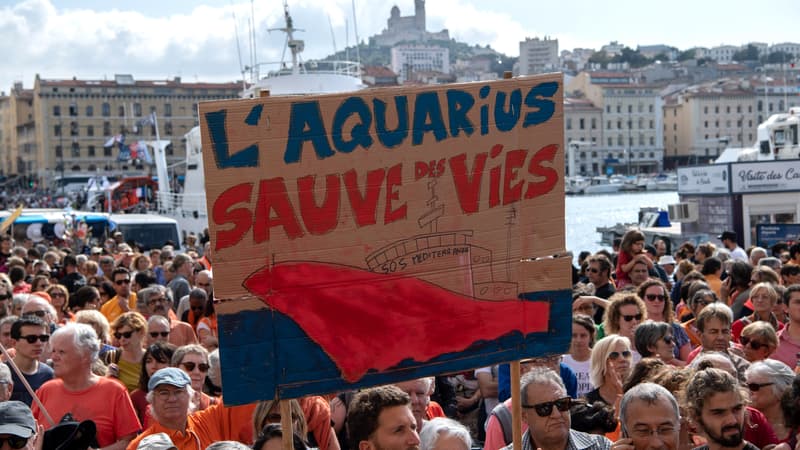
[74,121]
[407,28]
[407,59]
[538,56]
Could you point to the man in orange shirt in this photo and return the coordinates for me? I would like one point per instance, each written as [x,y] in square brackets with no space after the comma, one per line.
[125,300]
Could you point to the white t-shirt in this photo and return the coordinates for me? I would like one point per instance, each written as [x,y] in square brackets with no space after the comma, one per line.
[582,370]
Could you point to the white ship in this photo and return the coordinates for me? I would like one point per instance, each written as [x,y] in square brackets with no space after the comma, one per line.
[290,78]
[777,139]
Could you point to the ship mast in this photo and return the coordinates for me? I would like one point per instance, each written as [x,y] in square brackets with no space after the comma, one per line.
[296,46]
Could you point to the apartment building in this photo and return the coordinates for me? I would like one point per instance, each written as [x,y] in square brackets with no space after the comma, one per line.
[538,55]
[583,129]
[17,140]
[75,120]
[407,59]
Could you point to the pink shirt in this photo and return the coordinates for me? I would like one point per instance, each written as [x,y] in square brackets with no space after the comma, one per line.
[787,348]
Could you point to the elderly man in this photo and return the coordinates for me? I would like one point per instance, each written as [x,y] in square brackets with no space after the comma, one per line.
[84,395]
[716,403]
[30,335]
[170,393]
[125,300]
[545,409]
[649,418]
[714,325]
[381,419]
[419,391]
[6,383]
[18,429]
[203,280]
[158,303]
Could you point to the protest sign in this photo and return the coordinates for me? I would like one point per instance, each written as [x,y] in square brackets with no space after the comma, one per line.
[386,234]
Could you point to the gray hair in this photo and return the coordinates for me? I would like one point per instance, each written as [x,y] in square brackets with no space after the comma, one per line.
[227,445]
[775,371]
[648,334]
[19,300]
[5,375]
[443,426]
[716,360]
[771,262]
[160,319]
[8,319]
[184,350]
[96,320]
[649,393]
[151,395]
[83,336]
[214,369]
[143,296]
[540,375]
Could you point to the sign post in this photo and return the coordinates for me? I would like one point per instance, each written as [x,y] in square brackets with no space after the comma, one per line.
[385,235]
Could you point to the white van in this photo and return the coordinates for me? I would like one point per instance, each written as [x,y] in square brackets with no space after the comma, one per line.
[148,230]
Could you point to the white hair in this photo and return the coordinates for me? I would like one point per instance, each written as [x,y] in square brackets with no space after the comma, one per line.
[443,426]
[83,336]
[151,396]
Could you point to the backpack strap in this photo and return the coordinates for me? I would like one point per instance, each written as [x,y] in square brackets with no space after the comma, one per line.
[503,415]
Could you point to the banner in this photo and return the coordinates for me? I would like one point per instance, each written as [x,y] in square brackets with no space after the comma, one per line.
[387,234]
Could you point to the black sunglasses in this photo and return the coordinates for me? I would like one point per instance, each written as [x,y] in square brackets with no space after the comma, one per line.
[546,408]
[153,301]
[126,335]
[40,314]
[121,282]
[654,297]
[14,442]
[756,386]
[190,366]
[155,334]
[31,338]
[629,318]
[755,345]
[615,355]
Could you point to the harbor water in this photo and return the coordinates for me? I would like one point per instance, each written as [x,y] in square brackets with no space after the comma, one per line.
[584,213]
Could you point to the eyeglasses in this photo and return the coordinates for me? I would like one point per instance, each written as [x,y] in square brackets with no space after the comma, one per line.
[593,270]
[615,355]
[165,394]
[155,334]
[546,408]
[153,301]
[40,314]
[14,442]
[121,282]
[629,318]
[126,335]
[190,366]
[668,339]
[755,345]
[57,294]
[31,338]
[654,297]
[756,386]
[644,433]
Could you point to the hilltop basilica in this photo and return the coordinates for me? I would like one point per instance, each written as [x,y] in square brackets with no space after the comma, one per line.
[408,28]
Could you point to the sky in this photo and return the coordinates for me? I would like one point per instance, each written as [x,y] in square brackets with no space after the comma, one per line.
[197,39]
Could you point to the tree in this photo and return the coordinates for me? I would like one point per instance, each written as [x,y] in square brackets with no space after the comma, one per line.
[750,53]
[632,57]
[600,57]
[779,57]
[663,57]
[687,54]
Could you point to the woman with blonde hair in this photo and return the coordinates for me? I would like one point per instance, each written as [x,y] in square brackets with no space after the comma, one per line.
[759,340]
[59,298]
[611,366]
[126,363]
[269,411]
[625,311]
[763,297]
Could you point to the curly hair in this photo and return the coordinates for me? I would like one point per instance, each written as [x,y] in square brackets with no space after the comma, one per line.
[705,383]
[612,314]
[366,406]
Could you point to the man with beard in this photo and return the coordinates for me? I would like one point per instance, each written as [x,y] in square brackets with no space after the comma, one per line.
[716,403]
[381,419]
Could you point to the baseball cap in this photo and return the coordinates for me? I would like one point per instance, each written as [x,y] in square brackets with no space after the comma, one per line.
[171,376]
[157,441]
[16,419]
[730,235]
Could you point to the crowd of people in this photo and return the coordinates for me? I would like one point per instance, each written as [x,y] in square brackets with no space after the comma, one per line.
[694,348]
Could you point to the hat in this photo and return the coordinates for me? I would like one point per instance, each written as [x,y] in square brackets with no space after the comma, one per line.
[16,419]
[729,235]
[171,376]
[666,259]
[97,251]
[158,441]
[650,249]
[70,434]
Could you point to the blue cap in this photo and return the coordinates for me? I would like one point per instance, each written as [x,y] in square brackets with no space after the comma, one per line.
[16,419]
[171,376]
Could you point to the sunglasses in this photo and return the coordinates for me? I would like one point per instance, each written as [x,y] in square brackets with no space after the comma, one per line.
[155,334]
[203,367]
[153,301]
[121,282]
[546,408]
[593,270]
[654,297]
[755,345]
[40,314]
[14,442]
[756,386]
[57,294]
[31,338]
[615,355]
[629,318]
[126,335]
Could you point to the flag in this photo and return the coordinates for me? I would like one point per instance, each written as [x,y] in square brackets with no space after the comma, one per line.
[110,142]
[144,153]
[149,120]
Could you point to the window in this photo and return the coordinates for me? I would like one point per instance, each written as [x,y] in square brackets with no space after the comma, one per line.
[168,128]
[106,109]
[652,124]
[608,108]
[738,108]
[705,110]
[91,151]
[594,123]
[137,109]
[59,152]
[89,110]
[619,108]
[674,127]
[705,124]
[653,140]
[73,128]
[152,109]
[652,155]
[630,109]
[641,139]
[107,152]
[121,111]
[90,130]
[619,124]
[73,109]
[169,150]
[608,125]
[57,129]
[749,108]
[56,110]
[76,150]
[641,107]
[610,142]
[167,110]
[106,128]
[728,123]
[569,123]
[620,141]
[650,108]
[728,109]
[582,124]
[716,109]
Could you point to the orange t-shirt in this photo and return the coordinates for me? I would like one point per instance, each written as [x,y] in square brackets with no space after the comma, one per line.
[106,403]
[112,310]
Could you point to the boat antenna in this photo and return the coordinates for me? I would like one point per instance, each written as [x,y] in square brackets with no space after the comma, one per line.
[242,68]
[333,36]
[253,39]
[355,30]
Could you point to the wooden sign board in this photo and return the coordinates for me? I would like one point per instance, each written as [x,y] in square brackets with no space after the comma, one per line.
[384,235]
